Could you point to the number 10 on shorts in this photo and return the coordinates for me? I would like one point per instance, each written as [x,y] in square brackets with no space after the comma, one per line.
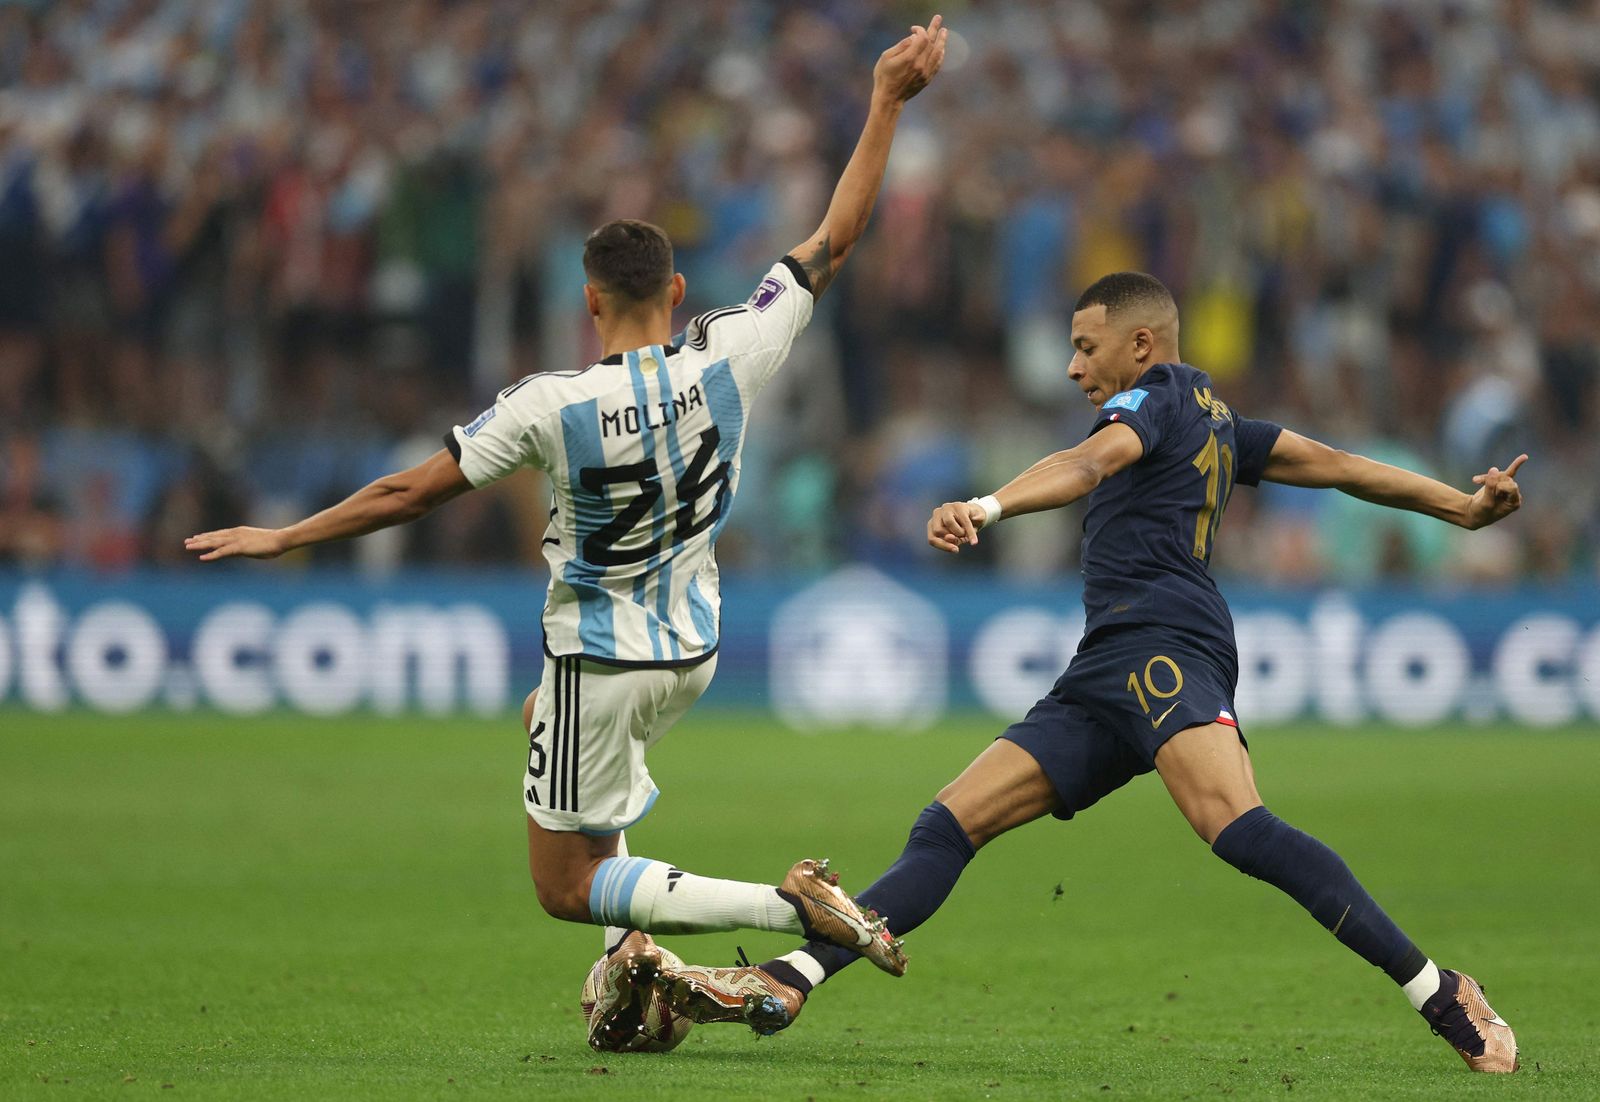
[1158,669]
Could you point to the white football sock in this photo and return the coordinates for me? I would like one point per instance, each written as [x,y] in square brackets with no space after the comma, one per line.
[1423,986]
[807,965]
[659,899]
[615,934]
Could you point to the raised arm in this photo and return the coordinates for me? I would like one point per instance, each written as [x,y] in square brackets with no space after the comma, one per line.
[392,499]
[1297,460]
[902,71]
[1054,481]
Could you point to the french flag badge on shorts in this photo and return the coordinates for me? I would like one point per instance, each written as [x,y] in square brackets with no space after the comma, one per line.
[1227,717]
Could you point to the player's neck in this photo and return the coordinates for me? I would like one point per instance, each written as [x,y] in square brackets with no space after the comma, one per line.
[624,334]
[1159,356]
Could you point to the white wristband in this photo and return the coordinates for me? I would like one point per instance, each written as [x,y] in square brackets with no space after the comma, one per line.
[991,509]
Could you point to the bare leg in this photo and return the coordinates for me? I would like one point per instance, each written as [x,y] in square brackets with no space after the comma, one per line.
[563,863]
[1002,789]
[1208,773]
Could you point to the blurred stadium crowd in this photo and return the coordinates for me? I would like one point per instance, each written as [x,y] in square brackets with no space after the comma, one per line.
[256,253]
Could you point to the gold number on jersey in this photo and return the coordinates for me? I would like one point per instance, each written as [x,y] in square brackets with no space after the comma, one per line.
[1216,465]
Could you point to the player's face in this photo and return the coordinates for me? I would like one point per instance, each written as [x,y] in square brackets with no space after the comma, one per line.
[1102,358]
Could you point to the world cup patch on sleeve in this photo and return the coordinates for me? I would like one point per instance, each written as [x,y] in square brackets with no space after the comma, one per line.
[478,422]
[1128,399]
[766,294]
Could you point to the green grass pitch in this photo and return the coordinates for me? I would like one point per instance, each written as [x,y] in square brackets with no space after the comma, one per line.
[279,908]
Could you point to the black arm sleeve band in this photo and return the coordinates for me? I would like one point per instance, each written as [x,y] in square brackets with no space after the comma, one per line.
[800,275]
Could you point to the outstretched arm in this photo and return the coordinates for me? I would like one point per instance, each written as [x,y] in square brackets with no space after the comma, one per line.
[902,71]
[392,499]
[1300,461]
[1054,481]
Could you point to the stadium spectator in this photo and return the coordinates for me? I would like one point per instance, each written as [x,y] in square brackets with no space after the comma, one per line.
[236,229]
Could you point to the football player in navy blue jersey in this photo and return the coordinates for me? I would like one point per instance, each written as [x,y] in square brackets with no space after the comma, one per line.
[1151,686]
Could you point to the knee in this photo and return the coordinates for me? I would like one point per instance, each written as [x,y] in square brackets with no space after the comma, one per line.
[1245,841]
[979,823]
[1209,817]
[1208,829]
[1210,821]
[564,900]
[1003,788]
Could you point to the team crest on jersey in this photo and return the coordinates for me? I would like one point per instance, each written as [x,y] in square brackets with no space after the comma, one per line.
[478,422]
[766,294]
[1128,399]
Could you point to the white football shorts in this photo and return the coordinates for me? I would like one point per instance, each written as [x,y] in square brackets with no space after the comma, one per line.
[592,724]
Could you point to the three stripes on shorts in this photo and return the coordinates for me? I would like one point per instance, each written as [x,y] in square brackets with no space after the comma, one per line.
[560,762]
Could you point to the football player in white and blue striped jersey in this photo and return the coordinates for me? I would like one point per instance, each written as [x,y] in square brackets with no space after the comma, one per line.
[643,454]
[643,451]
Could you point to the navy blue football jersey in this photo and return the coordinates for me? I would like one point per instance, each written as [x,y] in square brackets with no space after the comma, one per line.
[1149,529]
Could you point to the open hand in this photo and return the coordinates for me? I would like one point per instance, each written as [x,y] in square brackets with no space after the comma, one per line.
[1497,497]
[905,68]
[954,524]
[226,543]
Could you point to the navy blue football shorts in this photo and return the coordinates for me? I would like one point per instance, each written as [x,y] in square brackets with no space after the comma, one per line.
[1123,696]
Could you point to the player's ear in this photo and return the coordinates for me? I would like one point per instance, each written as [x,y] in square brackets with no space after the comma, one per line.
[591,299]
[679,286]
[1144,342]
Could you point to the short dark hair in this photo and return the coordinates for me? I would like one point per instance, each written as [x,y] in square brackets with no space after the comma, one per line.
[629,258]
[1120,290]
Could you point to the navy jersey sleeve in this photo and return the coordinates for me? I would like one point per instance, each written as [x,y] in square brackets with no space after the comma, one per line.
[1254,441]
[1147,409]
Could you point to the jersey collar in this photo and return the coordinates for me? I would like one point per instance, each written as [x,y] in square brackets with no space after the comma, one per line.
[616,357]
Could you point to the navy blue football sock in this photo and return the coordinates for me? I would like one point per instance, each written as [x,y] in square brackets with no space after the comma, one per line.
[906,895]
[1260,844]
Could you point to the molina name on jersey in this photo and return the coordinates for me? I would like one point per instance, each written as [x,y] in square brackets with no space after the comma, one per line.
[1149,529]
[643,453]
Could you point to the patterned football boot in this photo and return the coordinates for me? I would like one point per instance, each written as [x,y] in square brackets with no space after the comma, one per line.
[741,994]
[624,986]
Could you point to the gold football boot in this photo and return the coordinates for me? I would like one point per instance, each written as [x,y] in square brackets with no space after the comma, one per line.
[741,994]
[623,986]
[1460,1014]
[828,914]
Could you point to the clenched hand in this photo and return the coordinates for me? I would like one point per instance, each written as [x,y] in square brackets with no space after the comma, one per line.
[953,524]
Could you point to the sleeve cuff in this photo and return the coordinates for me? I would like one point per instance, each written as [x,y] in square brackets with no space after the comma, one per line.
[799,273]
[453,446]
[1251,476]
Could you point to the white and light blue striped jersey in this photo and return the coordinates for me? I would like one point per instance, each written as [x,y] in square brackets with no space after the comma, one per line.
[643,453]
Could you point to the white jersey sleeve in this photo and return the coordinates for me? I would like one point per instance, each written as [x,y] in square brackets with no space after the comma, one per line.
[502,437]
[755,337]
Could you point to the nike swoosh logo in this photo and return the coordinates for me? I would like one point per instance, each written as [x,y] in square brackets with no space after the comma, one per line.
[1497,1020]
[862,936]
[1157,721]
